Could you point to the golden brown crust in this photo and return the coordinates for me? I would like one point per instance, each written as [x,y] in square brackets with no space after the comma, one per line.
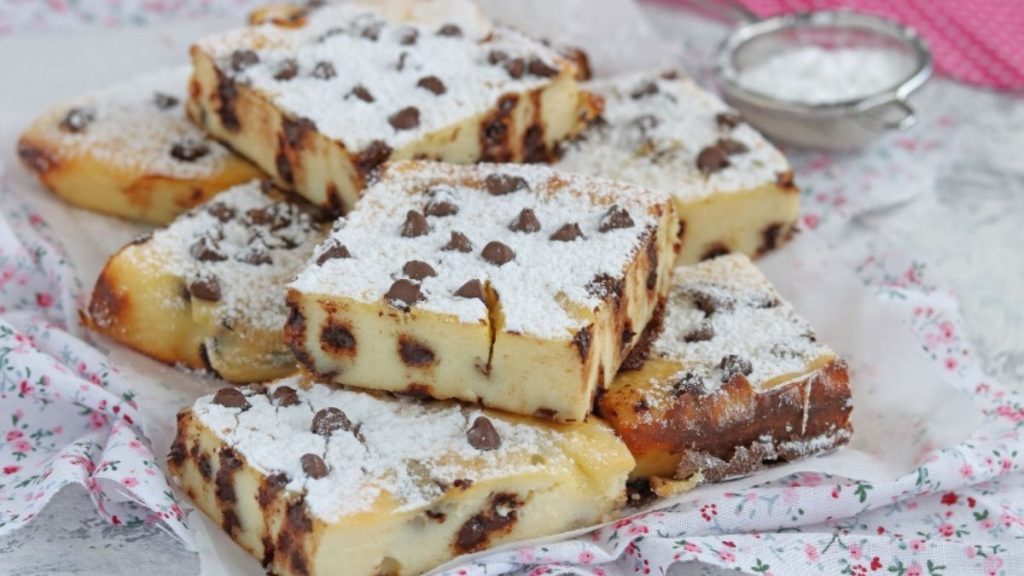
[716,424]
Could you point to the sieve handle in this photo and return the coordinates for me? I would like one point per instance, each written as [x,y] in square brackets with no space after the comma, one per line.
[903,118]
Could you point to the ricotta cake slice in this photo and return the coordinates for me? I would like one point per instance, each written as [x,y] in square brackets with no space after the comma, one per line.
[321,98]
[314,480]
[208,291]
[733,189]
[736,379]
[129,150]
[515,286]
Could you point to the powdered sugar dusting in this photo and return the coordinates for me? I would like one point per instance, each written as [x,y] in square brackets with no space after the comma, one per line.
[348,46]
[652,137]
[260,241]
[537,289]
[407,449]
[134,128]
[726,307]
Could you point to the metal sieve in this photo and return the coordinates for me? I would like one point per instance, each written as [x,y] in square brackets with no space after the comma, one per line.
[835,125]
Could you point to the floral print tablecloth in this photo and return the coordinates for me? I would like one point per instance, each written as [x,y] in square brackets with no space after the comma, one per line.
[68,418]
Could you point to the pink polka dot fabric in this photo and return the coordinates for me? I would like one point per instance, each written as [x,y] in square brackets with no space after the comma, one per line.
[975,41]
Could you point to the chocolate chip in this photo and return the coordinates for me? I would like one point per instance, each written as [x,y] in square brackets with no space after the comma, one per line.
[323,71]
[646,122]
[732,365]
[257,255]
[242,59]
[688,383]
[567,233]
[206,249]
[205,288]
[418,270]
[288,69]
[515,67]
[497,253]
[501,184]
[371,31]
[615,218]
[731,147]
[335,250]
[164,101]
[274,216]
[496,57]
[702,333]
[141,238]
[450,30]
[482,435]
[77,119]
[330,420]
[337,337]
[711,160]
[415,225]
[231,398]
[407,118]
[728,120]
[432,84]
[374,155]
[414,353]
[408,37]
[403,294]
[471,289]
[314,466]
[582,341]
[538,67]
[189,150]
[285,396]
[440,208]
[458,243]
[221,211]
[526,222]
[360,91]
[705,302]
[648,88]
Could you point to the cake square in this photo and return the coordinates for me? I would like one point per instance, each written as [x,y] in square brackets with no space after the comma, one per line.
[733,189]
[207,292]
[129,150]
[515,286]
[736,379]
[321,98]
[313,480]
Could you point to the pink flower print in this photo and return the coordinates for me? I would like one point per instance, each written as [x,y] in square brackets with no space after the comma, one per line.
[966,471]
[946,530]
[13,435]
[811,221]
[11,469]
[599,572]
[525,555]
[726,556]
[917,545]
[970,551]
[949,498]
[691,548]
[130,482]
[946,331]
[914,570]
[586,557]
[855,551]
[637,530]
[987,523]
[1010,413]
[21,445]
[1005,464]
[790,496]
[44,299]
[992,565]
[751,497]
[25,389]
[811,551]
[950,363]
[810,479]
[97,420]
[35,219]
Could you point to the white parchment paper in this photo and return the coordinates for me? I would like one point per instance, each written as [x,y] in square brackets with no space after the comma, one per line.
[902,406]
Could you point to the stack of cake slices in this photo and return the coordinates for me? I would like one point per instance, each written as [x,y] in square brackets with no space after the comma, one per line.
[464,294]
